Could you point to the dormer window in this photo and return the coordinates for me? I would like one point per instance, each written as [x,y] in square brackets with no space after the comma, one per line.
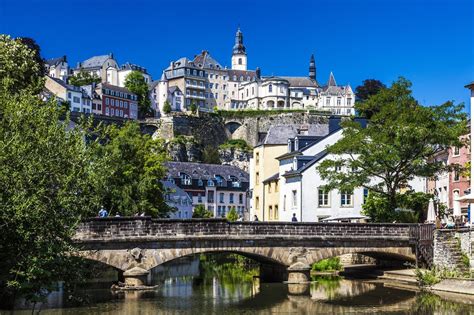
[220,180]
[185,179]
[210,183]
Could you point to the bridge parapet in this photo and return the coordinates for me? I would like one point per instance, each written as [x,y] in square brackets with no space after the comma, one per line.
[146,227]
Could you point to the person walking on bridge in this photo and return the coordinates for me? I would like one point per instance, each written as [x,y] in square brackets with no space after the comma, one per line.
[103,213]
[294,219]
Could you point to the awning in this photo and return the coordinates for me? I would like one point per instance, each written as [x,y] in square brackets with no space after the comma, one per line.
[466,198]
[345,217]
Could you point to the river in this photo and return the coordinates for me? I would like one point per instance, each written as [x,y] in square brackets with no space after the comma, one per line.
[186,287]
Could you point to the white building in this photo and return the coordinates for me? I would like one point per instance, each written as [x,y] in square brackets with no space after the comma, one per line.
[57,68]
[301,186]
[78,99]
[178,199]
[127,68]
[161,92]
[105,67]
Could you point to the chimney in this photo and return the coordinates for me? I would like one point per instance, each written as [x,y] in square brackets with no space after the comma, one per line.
[257,73]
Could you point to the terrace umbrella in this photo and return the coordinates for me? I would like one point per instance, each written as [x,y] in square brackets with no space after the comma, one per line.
[431,217]
[456,205]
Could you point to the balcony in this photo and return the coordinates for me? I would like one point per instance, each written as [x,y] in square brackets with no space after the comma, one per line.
[195,86]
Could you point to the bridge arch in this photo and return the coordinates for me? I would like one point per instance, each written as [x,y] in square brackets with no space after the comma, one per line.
[232,126]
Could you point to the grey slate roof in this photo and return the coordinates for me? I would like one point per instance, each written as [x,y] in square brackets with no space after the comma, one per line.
[152,85]
[95,62]
[332,80]
[279,134]
[181,62]
[301,82]
[205,171]
[244,73]
[130,66]
[56,61]
[308,163]
[206,61]
[272,178]
[116,88]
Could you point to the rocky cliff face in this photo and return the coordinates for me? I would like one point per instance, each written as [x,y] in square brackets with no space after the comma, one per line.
[235,157]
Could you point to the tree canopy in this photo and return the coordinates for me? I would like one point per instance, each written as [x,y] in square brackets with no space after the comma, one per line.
[135,83]
[368,88]
[19,68]
[83,78]
[201,212]
[129,167]
[398,143]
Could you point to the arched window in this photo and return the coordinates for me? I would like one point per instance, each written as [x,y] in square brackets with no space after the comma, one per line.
[270,88]
[234,182]
[200,183]
[185,179]
[240,61]
[210,183]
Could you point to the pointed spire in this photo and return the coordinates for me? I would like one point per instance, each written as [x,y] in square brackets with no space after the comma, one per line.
[332,81]
[239,47]
[163,77]
[312,68]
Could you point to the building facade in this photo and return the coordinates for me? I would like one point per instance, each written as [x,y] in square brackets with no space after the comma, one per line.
[207,84]
[117,101]
[76,97]
[126,69]
[105,67]
[57,68]
[218,188]
[264,166]
[179,200]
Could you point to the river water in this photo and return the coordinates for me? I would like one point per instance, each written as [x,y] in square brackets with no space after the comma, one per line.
[185,288]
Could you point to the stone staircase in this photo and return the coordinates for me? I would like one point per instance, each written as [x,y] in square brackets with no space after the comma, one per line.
[448,253]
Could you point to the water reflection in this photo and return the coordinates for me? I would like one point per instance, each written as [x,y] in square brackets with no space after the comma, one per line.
[194,287]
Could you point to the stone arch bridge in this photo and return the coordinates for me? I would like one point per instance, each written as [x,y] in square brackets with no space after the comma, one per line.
[285,251]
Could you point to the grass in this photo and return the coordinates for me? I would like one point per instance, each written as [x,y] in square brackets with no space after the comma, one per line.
[427,277]
[329,264]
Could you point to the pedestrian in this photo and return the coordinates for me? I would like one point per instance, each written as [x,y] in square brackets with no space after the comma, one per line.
[102,212]
[117,214]
[255,218]
[294,219]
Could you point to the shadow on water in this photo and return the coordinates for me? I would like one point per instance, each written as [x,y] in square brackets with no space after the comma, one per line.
[227,285]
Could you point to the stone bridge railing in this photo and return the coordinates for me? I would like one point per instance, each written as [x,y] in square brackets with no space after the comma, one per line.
[115,228]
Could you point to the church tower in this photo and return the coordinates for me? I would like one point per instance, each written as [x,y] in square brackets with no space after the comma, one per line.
[239,56]
[312,68]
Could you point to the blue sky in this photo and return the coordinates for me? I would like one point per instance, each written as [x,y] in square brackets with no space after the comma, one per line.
[430,43]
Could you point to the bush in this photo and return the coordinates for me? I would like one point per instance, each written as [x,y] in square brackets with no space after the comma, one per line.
[193,108]
[329,264]
[232,215]
[201,212]
[428,277]
[236,144]
[167,107]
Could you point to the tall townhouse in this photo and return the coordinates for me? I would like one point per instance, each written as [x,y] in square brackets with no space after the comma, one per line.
[78,99]
[117,101]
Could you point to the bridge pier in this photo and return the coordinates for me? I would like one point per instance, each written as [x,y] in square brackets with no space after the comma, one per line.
[273,273]
[136,277]
[299,273]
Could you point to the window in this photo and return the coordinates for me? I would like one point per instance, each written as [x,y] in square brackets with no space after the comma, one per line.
[210,196]
[210,183]
[69,94]
[231,198]
[323,197]
[76,99]
[456,176]
[337,168]
[270,88]
[185,179]
[220,180]
[456,151]
[284,203]
[349,101]
[200,183]
[270,212]
[257,203]
[366,194]
[328,101]
[199,198]
[240,61]
[257,178]
[257,158]
[276,186]
[221,197]
[241,198]
[346,198]
[294,201]
[99,107]
[269,187]
[338,101]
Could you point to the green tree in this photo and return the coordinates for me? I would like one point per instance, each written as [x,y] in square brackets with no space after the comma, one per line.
[201,212]
[232,215]
[83,78]
[128,170]
[45,190]
[167,107]
[398,143]
[19,68]
[368,88]
[135,83]
[33,45]
[210,155]
[193,108]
